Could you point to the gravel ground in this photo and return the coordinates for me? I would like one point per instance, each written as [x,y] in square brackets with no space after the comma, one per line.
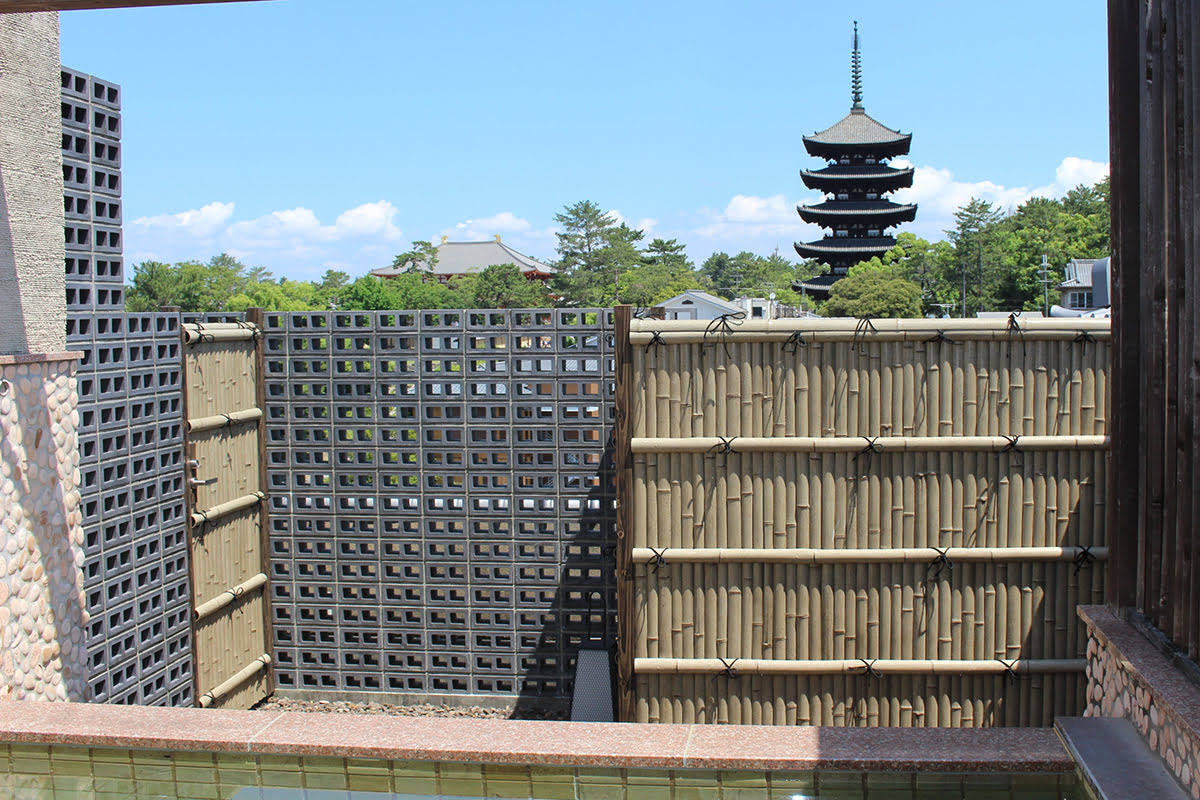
[422,710]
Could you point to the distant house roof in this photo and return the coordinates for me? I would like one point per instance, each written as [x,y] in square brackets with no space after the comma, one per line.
[461,258]
[703,302]
[1077,274]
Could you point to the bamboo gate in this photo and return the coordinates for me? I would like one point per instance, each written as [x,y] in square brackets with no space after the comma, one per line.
[226,513]
[858,523]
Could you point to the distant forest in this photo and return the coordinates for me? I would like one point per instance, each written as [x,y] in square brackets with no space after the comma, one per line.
[601,261]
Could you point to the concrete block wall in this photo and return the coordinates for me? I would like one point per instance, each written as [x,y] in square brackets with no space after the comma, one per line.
[132,481]
[441,500]
[91,192]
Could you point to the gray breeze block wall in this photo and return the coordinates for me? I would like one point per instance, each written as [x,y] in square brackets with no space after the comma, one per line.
[132,490]
[441,499]
[91,179]
[130,427]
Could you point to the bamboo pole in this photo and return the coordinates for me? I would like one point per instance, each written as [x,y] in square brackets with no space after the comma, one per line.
[895,555]
[226,597]
[718,445]
[734,668]
[224,420]
[196,335]
[224,509]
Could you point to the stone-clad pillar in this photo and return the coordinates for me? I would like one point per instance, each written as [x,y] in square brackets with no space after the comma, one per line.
[42,617]
[32,293]
[42,611]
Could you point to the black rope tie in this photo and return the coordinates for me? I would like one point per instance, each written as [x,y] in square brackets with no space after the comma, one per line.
[721,327]
[723,447]
[859,341]
[1012,447]
[942,562]
[794,342]
[1014,327]
[228,420]
[655,339]
[868,668]
[657,560]
[872,447]
[939,338]
[1083,338]
[1084,558]
[1009,672]
[728,671]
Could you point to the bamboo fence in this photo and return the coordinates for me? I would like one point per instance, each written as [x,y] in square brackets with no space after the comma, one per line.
[222,365]
[841,522]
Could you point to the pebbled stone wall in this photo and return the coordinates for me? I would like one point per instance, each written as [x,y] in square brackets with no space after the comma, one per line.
[1128,678]
[42,613]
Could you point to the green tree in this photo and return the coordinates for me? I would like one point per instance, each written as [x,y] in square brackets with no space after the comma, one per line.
[976,255]
[873,289]
[663,273]
[504,286]
[594,252]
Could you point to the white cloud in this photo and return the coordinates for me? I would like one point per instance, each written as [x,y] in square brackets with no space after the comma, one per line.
[200,222]
[292,242]
[484,228]
[751,222]
[939,194]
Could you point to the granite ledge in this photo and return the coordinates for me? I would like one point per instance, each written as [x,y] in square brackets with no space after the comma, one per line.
[551,743]
[39,358]
[1178,696]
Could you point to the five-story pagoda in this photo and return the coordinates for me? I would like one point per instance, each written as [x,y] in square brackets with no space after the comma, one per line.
[855,182]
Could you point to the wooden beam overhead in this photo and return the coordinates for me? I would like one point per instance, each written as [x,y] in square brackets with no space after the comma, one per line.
[21,6]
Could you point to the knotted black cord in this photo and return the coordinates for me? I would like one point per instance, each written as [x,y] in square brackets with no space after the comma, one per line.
[940,336]
[859,341]
[941,561]
[1084,558]
[1015,327]
[657,560]
[723,447]
[228,420]
[728,671]
[655,339]
[1083,338]
[720,326]
[869,668]
[1009,672]
[1012,447]
[794,342]
[872,447]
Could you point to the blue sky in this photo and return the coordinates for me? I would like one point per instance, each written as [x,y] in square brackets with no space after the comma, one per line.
[304,135]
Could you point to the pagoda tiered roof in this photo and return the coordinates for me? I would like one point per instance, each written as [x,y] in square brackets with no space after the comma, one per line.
[858,177]
[845,251]
[883,213]
[857,133]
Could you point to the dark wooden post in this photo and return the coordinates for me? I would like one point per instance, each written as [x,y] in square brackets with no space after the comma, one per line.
[1124,473]
[622,440]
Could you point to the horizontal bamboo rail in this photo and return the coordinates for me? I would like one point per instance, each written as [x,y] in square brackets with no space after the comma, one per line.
[894,555]
[202,424]
[227,597]
[797,333]
[857,444]
[225,509]
[215,694]
[880,666]
[213,333]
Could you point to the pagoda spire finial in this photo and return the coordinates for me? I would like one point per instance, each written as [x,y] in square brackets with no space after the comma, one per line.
[856,73]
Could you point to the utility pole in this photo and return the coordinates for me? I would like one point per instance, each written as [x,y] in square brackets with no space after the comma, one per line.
[979,256]
[964,290]
[1044,274]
